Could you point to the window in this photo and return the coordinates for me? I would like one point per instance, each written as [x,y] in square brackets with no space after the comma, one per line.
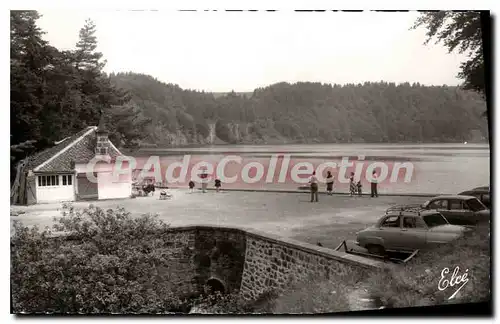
[439,204]
[409,222]
[67,180]
[456,204]
[391,221]
[48,181]
[475,205]
[435,220]
[413,222]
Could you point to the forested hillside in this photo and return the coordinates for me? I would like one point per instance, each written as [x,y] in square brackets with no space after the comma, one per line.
[306,113]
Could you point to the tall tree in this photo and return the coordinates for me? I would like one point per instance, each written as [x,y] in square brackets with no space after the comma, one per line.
[30,59]
[459,31]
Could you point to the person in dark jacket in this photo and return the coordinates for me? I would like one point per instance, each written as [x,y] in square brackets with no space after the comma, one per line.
[329,182]
[359,187]
[352,185]
[374,183]
[217,185]
[191,186]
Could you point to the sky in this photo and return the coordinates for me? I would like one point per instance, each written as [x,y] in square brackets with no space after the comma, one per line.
[241,51]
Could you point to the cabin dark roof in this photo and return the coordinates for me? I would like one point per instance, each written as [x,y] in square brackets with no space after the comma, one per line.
[79,148]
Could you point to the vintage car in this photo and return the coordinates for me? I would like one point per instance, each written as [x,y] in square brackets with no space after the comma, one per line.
[407,231]
[459,210]
[481,193]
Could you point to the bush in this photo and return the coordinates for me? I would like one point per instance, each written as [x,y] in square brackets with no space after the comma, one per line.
[107,263]
[233,304]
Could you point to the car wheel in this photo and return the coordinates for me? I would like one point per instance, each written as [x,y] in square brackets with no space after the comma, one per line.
[376,249]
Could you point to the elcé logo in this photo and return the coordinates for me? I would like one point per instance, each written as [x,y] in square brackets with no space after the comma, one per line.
[455,280]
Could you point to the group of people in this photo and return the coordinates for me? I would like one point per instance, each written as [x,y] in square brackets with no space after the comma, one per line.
[355,188]
[204,183]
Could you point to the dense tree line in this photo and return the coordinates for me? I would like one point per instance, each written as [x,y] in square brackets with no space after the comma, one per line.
[309,112]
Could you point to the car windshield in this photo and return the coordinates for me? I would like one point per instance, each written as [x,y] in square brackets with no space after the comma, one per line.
[475,205]
[434,220]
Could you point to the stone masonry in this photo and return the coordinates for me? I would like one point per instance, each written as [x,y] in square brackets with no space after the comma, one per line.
[272,262]
[249,261]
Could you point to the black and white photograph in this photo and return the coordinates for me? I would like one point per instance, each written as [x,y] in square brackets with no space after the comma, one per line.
[248,162]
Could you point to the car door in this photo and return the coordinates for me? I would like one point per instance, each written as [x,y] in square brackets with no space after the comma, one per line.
[390,232]
[413,233]
[459,213]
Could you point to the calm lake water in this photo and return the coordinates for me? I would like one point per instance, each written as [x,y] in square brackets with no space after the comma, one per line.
[437,168]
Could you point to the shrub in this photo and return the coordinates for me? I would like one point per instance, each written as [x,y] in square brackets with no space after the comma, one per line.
[107,263]
[233,304]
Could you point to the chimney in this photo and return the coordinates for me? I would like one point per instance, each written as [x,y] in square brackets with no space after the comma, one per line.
[102,144]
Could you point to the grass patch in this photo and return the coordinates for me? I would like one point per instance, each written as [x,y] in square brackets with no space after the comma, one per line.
[416,283]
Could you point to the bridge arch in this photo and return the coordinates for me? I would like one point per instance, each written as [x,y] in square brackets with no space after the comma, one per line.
[215,285]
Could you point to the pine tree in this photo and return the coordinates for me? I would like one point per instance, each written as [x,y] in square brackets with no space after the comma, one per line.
[30,59]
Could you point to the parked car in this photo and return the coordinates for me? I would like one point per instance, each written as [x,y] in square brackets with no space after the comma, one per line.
[481,193]
[457,209]
[407,231]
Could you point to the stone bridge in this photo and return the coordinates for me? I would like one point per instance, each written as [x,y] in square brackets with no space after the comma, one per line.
[232,259]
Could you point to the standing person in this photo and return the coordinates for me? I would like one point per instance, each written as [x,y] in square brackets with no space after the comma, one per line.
[374,181]
[329,182]
[191,186]
[204,179]
[352,185]
[314,187]
[217,185]
[359,187]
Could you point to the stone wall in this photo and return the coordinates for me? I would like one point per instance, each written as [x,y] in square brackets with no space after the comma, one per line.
[272,262]
[220,255]
[198,254]
[249,261]
[181,269]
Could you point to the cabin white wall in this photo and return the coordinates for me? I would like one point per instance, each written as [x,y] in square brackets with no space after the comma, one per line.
[48,194]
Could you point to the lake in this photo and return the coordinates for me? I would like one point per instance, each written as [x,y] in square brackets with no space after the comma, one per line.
[436,168]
